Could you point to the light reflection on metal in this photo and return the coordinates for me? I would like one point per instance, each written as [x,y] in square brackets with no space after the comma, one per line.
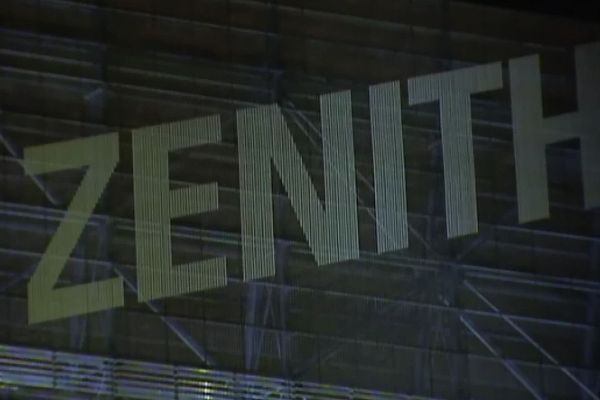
[102,376]
[531,341]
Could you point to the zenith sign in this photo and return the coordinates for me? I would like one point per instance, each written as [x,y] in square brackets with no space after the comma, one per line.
[331,228]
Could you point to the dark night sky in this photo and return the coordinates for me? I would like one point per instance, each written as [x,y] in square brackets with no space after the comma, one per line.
[579,9]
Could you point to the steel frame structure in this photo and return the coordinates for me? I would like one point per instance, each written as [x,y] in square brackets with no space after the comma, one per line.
[499,315]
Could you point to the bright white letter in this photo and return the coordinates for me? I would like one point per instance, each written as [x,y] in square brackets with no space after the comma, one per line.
[156,205]
[453,89]
[100,154]
[532,132]
[388,163]
[331,228]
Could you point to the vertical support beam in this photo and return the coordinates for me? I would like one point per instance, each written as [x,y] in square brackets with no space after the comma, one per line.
[282,256]
[251,330]
[78,323]
[422,370]
[261,310]
[104,231]
[453,328]
[591,345]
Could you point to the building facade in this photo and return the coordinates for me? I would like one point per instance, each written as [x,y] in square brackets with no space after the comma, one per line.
[248,199]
